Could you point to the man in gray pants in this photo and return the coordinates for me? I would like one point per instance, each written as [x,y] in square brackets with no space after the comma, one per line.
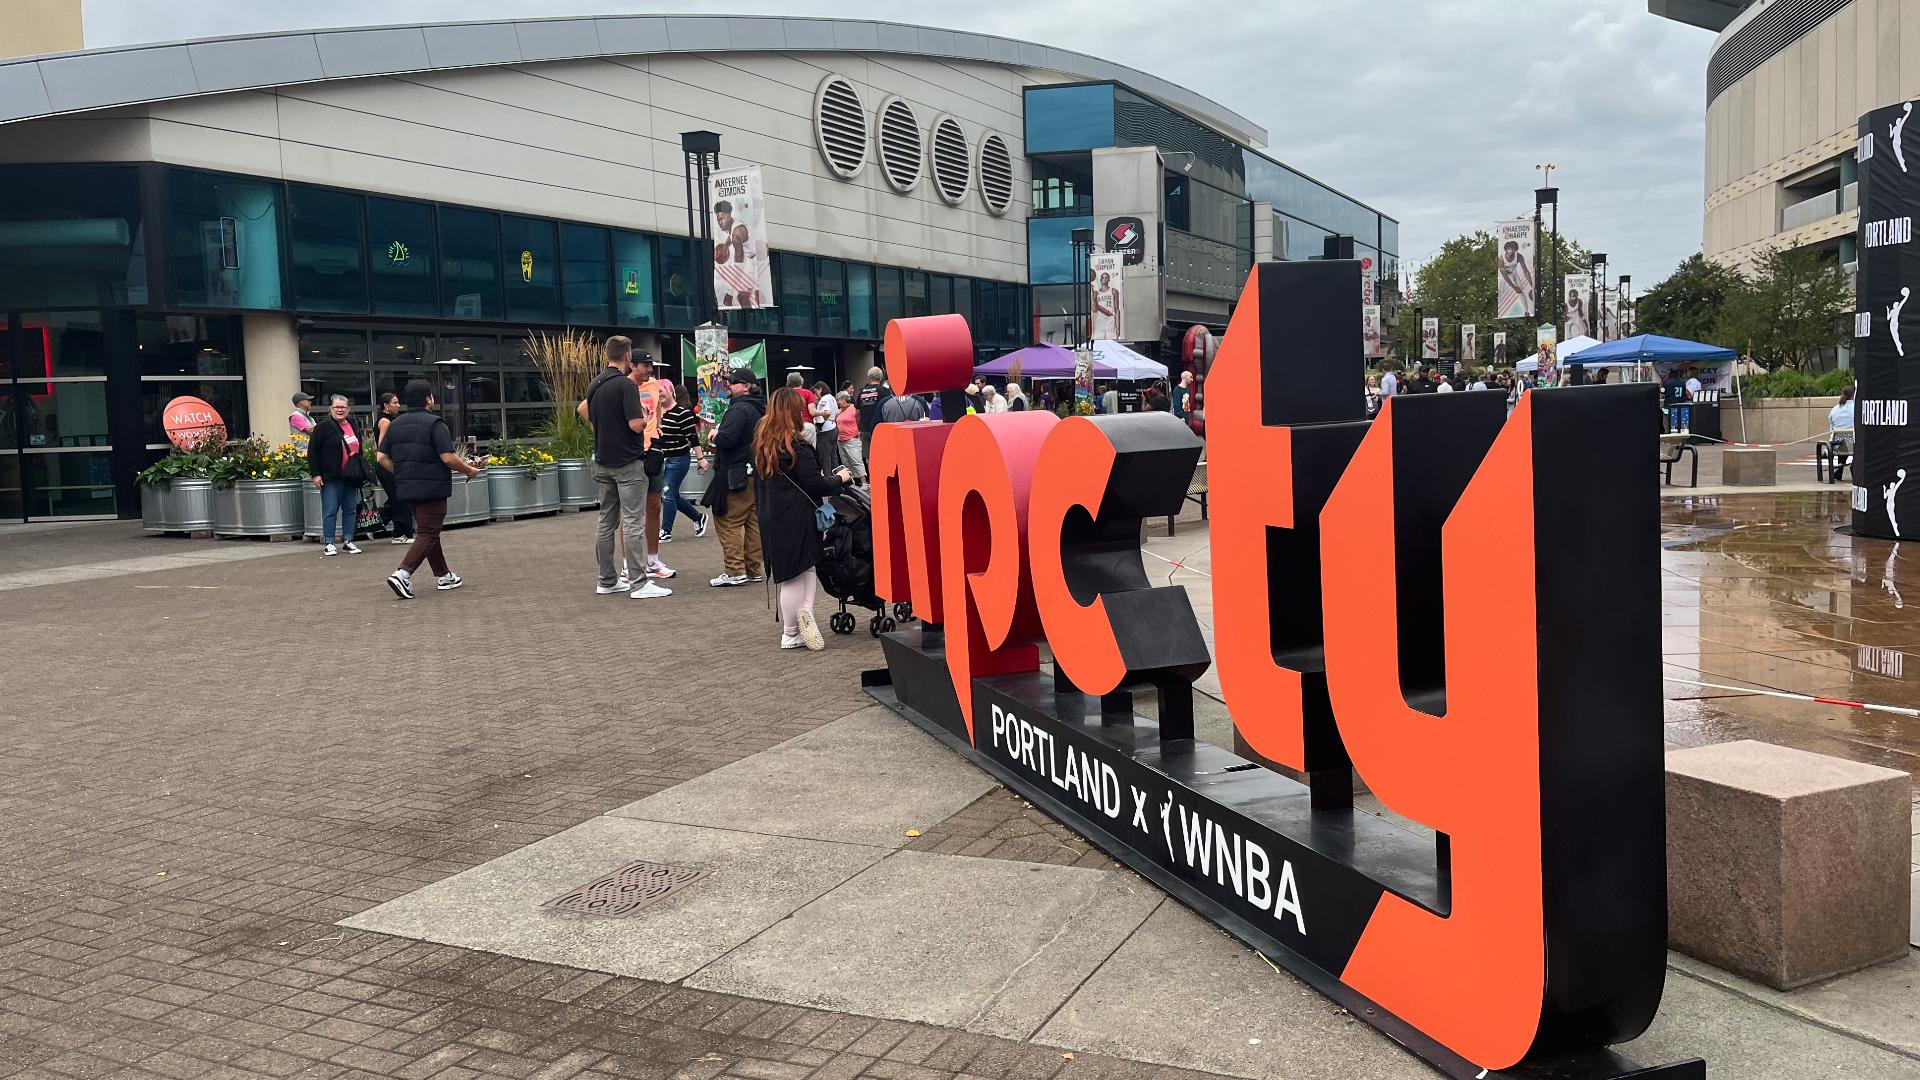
[619,420]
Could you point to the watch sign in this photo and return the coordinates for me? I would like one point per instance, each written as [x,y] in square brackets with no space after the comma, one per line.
[189,421]
[1128,236]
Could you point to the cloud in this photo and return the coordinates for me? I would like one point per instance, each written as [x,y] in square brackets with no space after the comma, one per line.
[1434,112]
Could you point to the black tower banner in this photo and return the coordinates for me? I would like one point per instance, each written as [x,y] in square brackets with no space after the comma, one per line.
[1886,348]
[1522,930]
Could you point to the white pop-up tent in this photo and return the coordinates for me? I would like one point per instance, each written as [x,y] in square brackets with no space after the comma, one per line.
[1571,346]
[1128,365]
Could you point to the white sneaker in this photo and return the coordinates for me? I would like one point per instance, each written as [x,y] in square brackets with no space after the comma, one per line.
[791,641]
[666,537]
[623,585]
[810,632]
[401,540]
[450,581]
[330,550]
[649,590]
[700,527]
[351,548]
[754,579]
[401,584]
[727,580]
[656,568]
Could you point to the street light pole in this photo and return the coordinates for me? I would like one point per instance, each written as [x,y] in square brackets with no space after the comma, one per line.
[702,152]
[1549,285]
[1081,241]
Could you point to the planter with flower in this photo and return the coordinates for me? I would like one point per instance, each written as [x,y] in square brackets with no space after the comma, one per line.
[522,481]
[176,492]
[570,441]
[259,489]
[567,363]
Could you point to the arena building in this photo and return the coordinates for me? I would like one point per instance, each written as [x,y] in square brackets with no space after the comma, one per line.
[339,211]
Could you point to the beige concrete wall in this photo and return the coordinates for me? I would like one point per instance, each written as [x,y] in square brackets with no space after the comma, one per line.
[28,27]
[1797,110]
[1775,421]
[273,371]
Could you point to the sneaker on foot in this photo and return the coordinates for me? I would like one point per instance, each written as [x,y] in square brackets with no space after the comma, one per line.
[401,584]
[625,580]
[450,580]
[623,585]
[700,527]
[810,631]
[791,641]
[351,548]
[726,580]
[330,550]
[648,590]
[401,540]
[754,579]
[656,568]
[666,537]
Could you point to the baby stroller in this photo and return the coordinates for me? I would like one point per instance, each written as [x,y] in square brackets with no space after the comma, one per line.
[846,566]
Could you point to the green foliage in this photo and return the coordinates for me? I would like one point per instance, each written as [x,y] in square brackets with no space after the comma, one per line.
[1791,383]
[1687,305]
[1459,285]
[1789,311]
[512,454]
[567,436]
[258,459]
[192,463]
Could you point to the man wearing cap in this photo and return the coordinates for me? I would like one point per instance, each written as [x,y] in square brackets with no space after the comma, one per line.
[299,421]
[619,424]
[731,492]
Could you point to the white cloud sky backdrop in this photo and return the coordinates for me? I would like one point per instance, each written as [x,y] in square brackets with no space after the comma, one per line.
[1434,111]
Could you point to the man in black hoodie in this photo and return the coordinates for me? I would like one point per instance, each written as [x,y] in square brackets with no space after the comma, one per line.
[868,402]
[731,492]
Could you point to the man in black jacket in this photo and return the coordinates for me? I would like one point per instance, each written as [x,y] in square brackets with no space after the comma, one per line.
[418,451]
[868,401]
[731,491]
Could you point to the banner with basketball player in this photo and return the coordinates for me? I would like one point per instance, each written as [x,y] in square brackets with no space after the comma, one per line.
[1886,463]
[1513,265]
[1108,305]
[1370,329]
[1469,343]
[1499,347]
[742,261]
[1579,299]
[1430,338]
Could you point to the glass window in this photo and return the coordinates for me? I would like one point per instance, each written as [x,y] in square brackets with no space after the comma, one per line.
[470,264]
[914,294]
[638,303]
[583,254]
[678,296]
[830,295]
[71,236]
[188,345]
[796,294]
[526,423]
[411,350]
[886,295]
[986,306]
[400,243]
[1049,255]
[1062,185]
[54,346]
[225,240]
[860,322]
[1179,212]
[533,286]
[939,294]
[68,414]
[963,299]
[64,485]
[1069,117]
[1390,235]
[338,347]
[327,237]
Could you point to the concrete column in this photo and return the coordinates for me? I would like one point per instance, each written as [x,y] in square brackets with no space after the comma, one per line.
[1263,232]
[272,353]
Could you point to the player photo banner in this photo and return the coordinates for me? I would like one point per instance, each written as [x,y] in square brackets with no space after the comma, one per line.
[1886,463]
[1499,347]
[1579,288]
[1370,329]
[1108,305]
[742,262]
[1513,264]
[1469,343]
[1430,339]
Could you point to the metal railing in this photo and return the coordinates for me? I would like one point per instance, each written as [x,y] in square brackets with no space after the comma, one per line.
[1808,211]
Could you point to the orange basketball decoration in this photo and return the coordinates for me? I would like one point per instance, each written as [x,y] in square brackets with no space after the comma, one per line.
[189,421]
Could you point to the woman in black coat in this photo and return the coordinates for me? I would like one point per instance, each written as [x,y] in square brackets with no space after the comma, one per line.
[334,462]
[790,489]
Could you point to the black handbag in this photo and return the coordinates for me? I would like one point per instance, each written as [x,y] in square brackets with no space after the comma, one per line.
[654,462]
[737,475]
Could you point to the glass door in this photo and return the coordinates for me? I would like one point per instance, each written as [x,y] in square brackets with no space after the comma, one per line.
[56,452]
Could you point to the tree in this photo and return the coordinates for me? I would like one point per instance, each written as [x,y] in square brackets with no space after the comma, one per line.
[1789,311]
[1461,280]
[1688,303]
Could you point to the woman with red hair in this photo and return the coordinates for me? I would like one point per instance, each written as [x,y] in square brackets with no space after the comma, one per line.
[790,489]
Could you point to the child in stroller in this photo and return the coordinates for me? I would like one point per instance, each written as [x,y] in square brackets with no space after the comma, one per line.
[846,566]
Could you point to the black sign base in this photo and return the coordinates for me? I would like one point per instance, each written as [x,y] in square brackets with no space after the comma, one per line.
[1241,845]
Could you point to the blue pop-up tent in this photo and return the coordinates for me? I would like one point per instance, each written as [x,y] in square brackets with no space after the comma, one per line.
[1650,349]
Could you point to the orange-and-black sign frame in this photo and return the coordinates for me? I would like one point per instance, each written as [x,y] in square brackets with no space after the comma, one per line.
[1456,606]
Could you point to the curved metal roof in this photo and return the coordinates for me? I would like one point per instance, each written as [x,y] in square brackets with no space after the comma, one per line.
[49,85]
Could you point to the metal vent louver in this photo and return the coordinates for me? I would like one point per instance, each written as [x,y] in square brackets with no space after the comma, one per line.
[951,161]
[996,172]
[900,149]
[840,127]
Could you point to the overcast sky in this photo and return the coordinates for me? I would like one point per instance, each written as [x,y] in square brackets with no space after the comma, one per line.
[1433,111]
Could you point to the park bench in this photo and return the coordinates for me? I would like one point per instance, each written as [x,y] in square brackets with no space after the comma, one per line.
[1832,455]
[1196,493]
[1672,447]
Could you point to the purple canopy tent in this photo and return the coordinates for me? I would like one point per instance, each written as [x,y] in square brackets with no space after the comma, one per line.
[1042,362]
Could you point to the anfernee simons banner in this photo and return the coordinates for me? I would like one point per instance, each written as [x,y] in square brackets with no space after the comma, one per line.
[742,262]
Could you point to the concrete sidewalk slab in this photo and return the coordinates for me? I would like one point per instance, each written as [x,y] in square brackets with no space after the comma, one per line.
[1182,993]
[753,882]
[864,779]
[1743,1039]
[983,945]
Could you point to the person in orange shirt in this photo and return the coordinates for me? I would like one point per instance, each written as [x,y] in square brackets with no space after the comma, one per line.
[656,460]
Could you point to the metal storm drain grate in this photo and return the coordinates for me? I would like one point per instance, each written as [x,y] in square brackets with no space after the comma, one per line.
[627,891]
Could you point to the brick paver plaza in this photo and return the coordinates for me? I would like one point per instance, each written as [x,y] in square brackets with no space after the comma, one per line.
[203,769]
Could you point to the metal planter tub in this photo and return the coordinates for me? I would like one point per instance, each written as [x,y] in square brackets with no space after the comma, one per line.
[261,508]
[315,526]
[182,506]
[517,494]
[575,477]
[472,500]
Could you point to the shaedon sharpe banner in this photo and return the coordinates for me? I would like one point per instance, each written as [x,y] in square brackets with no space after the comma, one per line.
[1513,262]
[742,264]
[1579,322]
[1108,302]
[1887,345]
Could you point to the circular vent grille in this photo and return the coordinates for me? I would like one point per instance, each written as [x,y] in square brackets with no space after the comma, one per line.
[996,173]
[951,162]
[899,144]
[840,126]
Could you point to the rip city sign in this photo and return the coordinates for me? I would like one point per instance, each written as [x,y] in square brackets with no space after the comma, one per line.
[1515,715]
